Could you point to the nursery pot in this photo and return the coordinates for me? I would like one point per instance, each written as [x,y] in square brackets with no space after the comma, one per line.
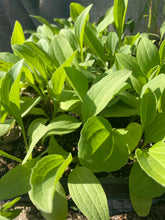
[117,193]
[116,190]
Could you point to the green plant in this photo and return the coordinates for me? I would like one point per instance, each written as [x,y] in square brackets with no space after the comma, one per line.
[74,76]
[6,214]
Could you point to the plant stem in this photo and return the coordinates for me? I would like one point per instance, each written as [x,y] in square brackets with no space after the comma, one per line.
[150,16]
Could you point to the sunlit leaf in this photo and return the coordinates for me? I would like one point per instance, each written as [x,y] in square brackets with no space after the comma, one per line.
[142,190]
[152,162]
[36,131]
[147,55]
[58,78]
[75,10]
[148,107]
[119,13]
[138,79]
[102,92]
[17,35]
[17,181]
[44,179]
[87,192]
[62,124]
[107,20]
[80,27]
[94,42]
[132,135]
[78,81]
[60,209]
[156,131]
[99,146]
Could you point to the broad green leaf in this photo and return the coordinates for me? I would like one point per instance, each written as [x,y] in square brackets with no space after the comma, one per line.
[154,72]
[28,77]
[44,179]
[44,45]
[156,85]
[60,208]
[78,81]
[69,101]
[17,35]
[107,20]
[55,148]
[43,56]
[138,79]
[95,142]
[9,57]
[119,13]
[102,92]
[163,101]
[147,55]
[120,151]
[46,32]
[86,72]
[62,124]
[111,44]
[93,41]
[11,79]
[156,131]
[162,30]
[10,92]
[148,108]
[99,145]
[142,190]
[69,35]
[17,181]
[132,135]
[119,109]
[58,78]
[152,162]
[43,21]
[33,60]
[5,127]
[4,67]
[38,111]
[88,194]
[60,53]
[162,52]
[125,49]
[80,27]
[129,99]
[34,125]
[131,40]
[75,10]
[36,131]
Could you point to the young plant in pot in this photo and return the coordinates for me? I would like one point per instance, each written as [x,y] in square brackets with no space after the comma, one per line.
[70,79]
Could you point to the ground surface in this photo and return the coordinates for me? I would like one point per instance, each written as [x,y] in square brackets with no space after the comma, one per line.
[29,212]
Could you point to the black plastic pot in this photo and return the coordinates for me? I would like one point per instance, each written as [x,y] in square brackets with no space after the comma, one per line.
[117,192]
